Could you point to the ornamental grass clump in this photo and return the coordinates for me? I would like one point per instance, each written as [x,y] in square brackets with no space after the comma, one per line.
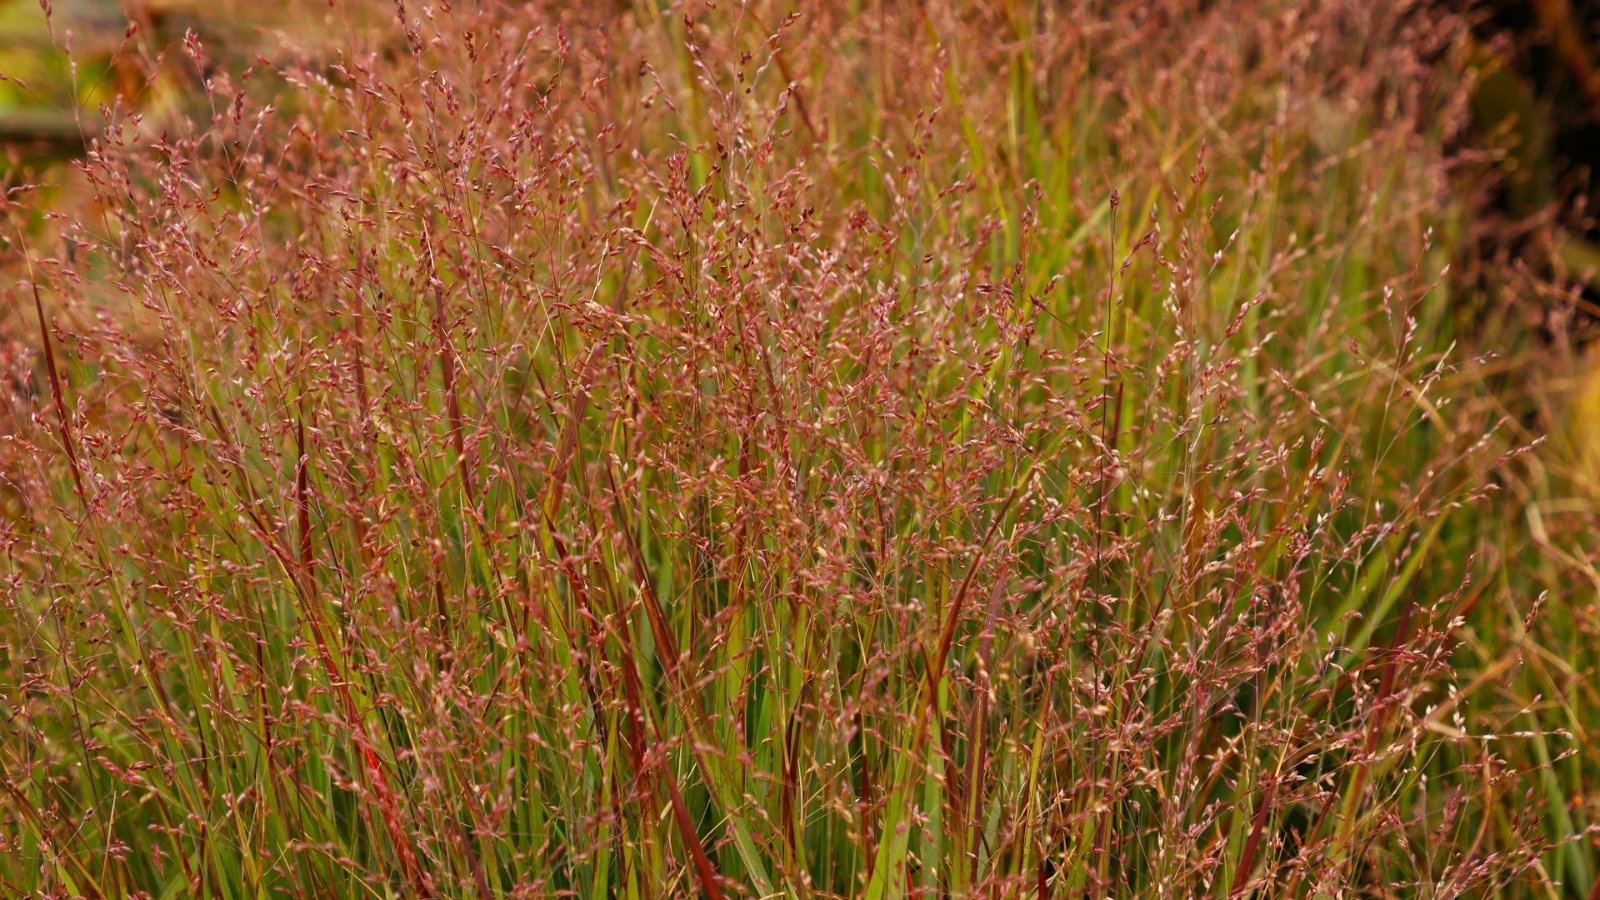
[775,450]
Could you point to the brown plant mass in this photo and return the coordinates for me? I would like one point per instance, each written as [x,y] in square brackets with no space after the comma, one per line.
[798,449]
